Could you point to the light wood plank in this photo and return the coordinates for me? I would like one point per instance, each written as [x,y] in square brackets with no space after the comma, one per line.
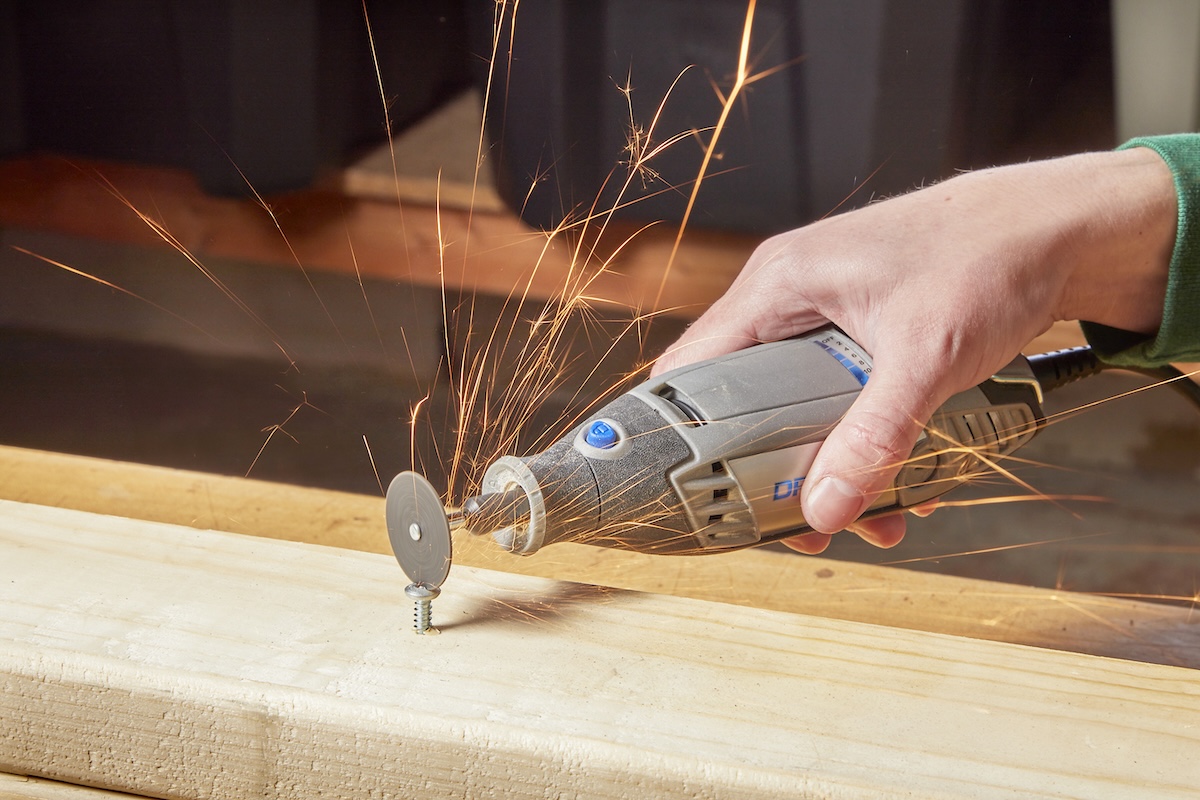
[23,787]
[173,662]
[760,579]
[430,163]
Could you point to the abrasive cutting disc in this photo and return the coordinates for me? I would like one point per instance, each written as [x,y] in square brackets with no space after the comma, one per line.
[418,529]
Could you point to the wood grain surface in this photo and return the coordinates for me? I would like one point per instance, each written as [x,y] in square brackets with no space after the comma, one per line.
[760,579]
[173,662]
[24,787]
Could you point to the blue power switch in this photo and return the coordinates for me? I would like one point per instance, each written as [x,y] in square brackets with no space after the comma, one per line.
[602,435]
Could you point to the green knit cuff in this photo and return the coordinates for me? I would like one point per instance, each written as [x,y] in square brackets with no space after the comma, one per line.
[1178,339]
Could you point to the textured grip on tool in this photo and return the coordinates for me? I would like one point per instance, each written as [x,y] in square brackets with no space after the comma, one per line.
[639,508]
[570,495]
[1061,367]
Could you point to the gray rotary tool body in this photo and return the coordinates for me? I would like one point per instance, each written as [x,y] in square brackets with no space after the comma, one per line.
[712,456]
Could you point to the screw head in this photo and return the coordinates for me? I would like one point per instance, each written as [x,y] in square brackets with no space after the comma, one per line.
[414,532]
[419,591]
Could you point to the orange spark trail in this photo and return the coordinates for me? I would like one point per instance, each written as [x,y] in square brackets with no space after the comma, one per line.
[997,549]
[387,124]
[115,287]
[738,84]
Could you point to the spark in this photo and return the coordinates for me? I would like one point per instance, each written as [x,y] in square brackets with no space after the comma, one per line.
[115,287]
[1003,500]
[366,301]
[983,550]
[272,430]
[159,229]
[740,82]
[374,468]
[414,414]
[387,124]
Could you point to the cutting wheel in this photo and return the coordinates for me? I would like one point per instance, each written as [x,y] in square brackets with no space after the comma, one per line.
[418,529]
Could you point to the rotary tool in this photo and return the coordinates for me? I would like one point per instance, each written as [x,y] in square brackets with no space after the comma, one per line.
[712,457]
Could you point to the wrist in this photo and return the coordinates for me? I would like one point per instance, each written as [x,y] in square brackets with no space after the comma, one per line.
[1123,213]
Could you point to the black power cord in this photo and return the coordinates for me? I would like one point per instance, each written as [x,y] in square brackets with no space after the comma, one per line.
[1060,367]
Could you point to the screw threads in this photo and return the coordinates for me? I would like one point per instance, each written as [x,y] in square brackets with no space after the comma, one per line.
[422,597]
[421,616]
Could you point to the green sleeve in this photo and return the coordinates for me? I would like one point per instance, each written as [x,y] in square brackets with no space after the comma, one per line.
[1178,339]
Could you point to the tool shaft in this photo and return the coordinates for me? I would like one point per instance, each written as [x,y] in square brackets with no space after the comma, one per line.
[491,512]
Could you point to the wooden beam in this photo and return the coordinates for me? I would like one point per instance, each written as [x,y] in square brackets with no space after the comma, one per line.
[430,163]
[23,787]
[776,581]
[327,230]
[173,662]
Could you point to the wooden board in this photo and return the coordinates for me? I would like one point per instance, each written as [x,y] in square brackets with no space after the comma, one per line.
[430,163]
[760,579]
[23,787]
[173,662]
[327,230]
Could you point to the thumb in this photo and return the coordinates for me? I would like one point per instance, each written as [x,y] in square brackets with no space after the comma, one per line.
[866,449]
[715,333]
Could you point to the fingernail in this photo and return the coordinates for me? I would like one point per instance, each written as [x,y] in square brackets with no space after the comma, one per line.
[833,504]
[811,544]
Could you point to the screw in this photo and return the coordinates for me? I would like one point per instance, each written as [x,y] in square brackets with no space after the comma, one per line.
[422,597]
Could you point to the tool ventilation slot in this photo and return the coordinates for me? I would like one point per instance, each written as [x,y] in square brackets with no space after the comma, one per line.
[995,432]
[719,508]
[1015,425]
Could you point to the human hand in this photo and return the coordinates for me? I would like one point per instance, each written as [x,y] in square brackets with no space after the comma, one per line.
[943,287]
